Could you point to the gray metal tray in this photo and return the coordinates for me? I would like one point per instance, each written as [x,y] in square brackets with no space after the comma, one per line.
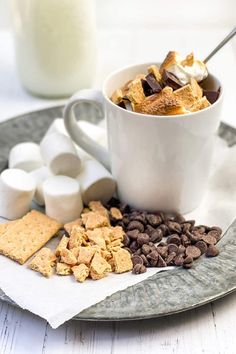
[164,293]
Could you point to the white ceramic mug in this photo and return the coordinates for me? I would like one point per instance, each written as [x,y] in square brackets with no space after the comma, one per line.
[159,162]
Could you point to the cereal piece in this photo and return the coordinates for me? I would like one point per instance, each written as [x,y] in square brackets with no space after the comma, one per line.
[92,220]
[77,237]
[185,96]
[197,90]
[96,238]
[163,103]
[116,214]
[188,61]
[99,267]
[85,255]
[200,104]
[69,225]
[26,236]
[117,96]
[63,269]
[81,272]
[135,93]
[62,245]
[68,257]
[122,261]
[43,262]
[153,69]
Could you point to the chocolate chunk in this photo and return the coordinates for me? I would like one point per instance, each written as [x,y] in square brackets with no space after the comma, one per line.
[212,251]
[136,259]
[139,269]
[202,246]
[193,252]
[171,80]
[146,88]
[153,83]
[121,104]
[212,96]
[135,225]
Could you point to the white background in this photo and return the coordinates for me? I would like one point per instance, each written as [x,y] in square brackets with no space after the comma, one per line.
[132,31]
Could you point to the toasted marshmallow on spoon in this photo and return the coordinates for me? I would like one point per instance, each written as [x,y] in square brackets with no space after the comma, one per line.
[60,155]
[184,68]
[25,156]
[62,198]
[17,189]
[40,175]
[96,182]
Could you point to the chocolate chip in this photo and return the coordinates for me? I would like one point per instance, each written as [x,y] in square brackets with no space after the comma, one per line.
[135,225]
[146,249]
[133,234]
[163,251]
[181,249]
[156,235]
[209,239]
[188,262]
[153,255]
[174,239]
[171,80]
[136,259]
[179,218]
[193,252]
[153,220]
[138,252]
[173,226]
[161,262]
[140,217]
[185,240]
[186,227]
[172,247]
[170,258]
[202,246]
[194,236]
[212,251]
[143,239]
[139,269]
[179,260]
[134,246]
[212,96]
[149,229]
[215,233]
[199,230]
[124,208]
[188,265]
[126,240]
[145,261]
[164,229]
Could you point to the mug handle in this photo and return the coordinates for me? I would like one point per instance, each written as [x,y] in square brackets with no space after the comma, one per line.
[95,98]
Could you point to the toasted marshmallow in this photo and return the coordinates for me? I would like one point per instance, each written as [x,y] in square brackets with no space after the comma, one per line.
[184,69]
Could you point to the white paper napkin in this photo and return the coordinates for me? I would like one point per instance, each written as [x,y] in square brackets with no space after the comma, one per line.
[60,298]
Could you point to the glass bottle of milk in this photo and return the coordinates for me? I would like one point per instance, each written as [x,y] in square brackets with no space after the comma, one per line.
[55,45]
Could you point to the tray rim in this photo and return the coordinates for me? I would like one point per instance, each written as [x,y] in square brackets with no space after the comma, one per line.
[80,316]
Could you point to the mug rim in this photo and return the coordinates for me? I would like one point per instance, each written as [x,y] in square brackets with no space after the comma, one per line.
[137,114]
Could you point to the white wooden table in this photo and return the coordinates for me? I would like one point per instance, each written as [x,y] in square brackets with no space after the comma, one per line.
[209,329]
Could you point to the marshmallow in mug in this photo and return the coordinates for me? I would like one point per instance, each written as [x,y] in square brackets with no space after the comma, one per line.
[25,156]
[40,175]
[17,189]
[62,198]
[96,182]
[60,155]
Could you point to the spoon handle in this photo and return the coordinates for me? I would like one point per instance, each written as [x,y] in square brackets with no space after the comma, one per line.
[220,45]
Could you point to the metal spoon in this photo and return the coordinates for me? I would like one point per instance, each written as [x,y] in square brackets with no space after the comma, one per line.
[220,45]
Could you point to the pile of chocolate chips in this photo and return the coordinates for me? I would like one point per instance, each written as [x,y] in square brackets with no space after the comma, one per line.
[160,240]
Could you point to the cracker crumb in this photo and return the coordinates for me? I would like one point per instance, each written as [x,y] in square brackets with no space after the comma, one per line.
[99,267]
[62,245]
[96,238]
[93,220]
[116,214]
[77,237]
[43,262]
[68,257]
[86,254]
[81,272]
[63,269]
[69,225]
[122,261]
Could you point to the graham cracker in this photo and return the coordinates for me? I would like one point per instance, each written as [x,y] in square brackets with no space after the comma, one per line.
[26,236]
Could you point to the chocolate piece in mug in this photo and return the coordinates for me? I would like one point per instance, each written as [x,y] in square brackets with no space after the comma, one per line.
[171,80]
[212,96]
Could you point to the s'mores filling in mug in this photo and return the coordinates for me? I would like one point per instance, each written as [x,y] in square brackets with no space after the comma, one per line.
[160,162]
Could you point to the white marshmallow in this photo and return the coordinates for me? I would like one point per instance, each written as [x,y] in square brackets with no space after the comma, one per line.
[40,175]
[25,156]
[94,131]
[62,198]
[17,189]
[60,155]
[96,182]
